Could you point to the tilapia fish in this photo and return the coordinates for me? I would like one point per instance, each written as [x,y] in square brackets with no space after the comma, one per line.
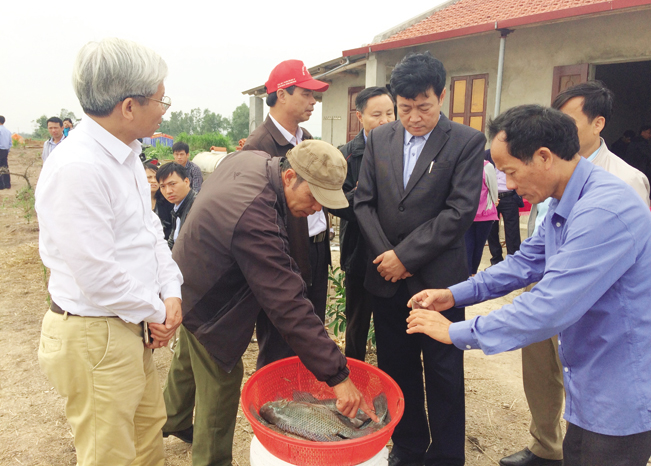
[321,421]
[360,420]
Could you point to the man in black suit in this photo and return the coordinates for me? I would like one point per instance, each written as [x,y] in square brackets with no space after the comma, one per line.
[375,107]
[417,195]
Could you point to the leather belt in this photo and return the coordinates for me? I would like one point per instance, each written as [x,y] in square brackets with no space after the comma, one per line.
[54,307]
[319,237]
[505,194]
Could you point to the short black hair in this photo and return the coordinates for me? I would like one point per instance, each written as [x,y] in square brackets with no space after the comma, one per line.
[416,74]
[57,120]
[597,99]
[181,146]
[2,120]
[629,133]
[286,165]
[273,97]
[166,170]
[644,128]
[530,127]
[364,96]
[150,166]
[68,119]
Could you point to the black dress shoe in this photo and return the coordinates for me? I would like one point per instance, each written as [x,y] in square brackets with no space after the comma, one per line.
[185,434]
[395,461]
[526,458]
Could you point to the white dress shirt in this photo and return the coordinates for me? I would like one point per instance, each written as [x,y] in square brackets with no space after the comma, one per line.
[98,235]
[316,223]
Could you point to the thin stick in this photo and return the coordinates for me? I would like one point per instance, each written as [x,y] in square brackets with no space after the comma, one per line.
[476,444]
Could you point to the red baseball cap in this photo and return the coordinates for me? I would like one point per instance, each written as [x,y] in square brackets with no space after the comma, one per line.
[293,73]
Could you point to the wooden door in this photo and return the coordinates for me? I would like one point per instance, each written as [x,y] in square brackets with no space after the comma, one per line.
[468,100]
[568,76]
[354,126]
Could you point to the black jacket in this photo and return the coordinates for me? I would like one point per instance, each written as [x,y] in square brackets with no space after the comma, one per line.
[638,155]
[354,256]
[164,210]
[182,213]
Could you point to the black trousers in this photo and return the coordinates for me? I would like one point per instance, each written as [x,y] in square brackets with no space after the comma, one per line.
[5,178]
[271,344]
[508,209]
[585,448]
[475,240]
[359,308]
[399,355]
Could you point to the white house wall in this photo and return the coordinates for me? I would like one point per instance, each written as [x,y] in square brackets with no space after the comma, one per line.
[530,58]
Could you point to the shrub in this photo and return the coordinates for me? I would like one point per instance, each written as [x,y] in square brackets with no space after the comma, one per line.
[159,152]
[336,308]
[203,142]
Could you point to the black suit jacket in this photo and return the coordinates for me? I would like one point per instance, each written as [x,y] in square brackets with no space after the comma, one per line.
[425,223]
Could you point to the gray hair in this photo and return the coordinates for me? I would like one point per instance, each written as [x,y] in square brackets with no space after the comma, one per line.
[111,70]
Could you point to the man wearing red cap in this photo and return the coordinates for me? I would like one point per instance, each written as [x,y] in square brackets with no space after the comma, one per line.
[290,96]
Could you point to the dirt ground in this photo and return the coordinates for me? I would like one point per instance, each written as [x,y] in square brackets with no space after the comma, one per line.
[33,427]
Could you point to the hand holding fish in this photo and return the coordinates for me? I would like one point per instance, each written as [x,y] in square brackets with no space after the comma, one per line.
[434,300]
[350,399]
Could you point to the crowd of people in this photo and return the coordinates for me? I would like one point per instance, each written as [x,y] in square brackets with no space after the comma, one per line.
[139,254]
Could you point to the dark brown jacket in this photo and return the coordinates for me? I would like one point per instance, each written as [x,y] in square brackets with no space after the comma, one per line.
[233,252]
[268,139]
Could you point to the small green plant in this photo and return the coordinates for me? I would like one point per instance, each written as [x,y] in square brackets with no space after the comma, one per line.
[45,282]
[159,152]
[25,201]
[336,308]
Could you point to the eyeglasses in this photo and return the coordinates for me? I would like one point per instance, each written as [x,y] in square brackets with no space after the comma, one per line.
[165,102]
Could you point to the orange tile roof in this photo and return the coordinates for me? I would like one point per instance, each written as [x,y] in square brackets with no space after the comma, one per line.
[466,17]
[467,13]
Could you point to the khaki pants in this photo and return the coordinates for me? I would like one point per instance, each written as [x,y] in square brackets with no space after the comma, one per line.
[114,401]
[195,377]
[542,376]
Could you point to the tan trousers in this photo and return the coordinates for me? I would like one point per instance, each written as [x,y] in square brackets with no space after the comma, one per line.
[542,376]
[114,401]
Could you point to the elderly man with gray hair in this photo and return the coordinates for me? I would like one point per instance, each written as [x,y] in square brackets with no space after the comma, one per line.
[115,288]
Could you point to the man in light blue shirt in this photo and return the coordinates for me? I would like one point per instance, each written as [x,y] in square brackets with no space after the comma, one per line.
[591,257]
[5,145]
[55,128]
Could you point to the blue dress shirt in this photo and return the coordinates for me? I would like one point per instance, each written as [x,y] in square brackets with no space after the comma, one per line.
[5,138]
[544,205]
[412,147]
[592,258]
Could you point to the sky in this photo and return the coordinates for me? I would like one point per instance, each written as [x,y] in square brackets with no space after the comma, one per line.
[214,50]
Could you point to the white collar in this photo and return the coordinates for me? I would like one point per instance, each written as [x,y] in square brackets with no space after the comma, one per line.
[292,139]
[116,148]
